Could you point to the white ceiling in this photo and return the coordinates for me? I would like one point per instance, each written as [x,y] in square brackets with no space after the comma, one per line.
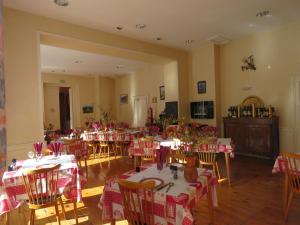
[67,61]
[173,20]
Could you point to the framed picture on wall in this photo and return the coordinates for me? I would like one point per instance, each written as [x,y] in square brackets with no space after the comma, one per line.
[87,109]
[162,92]
[124,98]
[201,85]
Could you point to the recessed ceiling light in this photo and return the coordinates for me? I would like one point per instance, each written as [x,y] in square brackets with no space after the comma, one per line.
[78,61]
[189,42]
[140,26]
[158,38]
[219,39]
[264,13]
[61,2]
[119,27]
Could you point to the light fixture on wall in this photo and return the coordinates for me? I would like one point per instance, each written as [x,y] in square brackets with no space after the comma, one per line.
[61,2]
[264,13]
[140,26]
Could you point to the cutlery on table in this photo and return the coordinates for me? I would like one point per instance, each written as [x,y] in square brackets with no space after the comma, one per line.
[170,185]
[163,186]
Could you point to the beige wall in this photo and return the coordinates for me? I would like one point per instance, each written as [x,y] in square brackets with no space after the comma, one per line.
[277,57]
[51,106]
[22,74]
[144,82]
[203,67]
[84,92]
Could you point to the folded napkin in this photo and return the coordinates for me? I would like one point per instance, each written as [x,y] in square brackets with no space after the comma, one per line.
[161,156]
[38,148]
[55,147]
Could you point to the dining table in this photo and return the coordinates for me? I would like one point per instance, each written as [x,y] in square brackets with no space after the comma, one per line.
[12,189]
[172,206]
[224,145]
[280,167]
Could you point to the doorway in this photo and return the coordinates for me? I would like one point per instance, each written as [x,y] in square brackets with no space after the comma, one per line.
[57,107]
[140,105]
[297,112]
[64,108]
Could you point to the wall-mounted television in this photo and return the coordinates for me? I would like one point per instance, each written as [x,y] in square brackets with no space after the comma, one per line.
[202,110]
[171,109]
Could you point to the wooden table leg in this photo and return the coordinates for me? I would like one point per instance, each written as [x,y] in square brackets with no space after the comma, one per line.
[227,167]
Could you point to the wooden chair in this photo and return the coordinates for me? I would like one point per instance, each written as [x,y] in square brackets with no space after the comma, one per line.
[78,148]
[91,143]
[176,158]
[119,143]
[42,190]
[147,146]
[207,157]
[292,171]
[138,201]
[104,145]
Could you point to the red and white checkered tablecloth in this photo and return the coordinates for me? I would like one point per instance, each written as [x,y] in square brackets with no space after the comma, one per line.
[12,189]
[223,145]
[280,165]
[171,208]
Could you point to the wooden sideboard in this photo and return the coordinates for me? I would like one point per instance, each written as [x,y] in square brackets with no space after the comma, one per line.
[254,136]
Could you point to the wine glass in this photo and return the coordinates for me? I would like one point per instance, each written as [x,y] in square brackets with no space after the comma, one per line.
[30,154]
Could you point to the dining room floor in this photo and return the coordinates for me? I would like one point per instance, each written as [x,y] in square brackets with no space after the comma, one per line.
[254,198]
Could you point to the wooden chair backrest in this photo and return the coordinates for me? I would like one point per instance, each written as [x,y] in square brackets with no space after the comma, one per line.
[76,147]
[138,201]
[177,158]
[292,169]
[41,185]
[207,153]
[147,146]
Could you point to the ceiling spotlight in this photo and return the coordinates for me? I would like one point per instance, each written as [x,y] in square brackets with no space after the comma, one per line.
[140,26]
[264,13]
[119,28]
[189,42]
[78,61]
[158,38]
[61,2]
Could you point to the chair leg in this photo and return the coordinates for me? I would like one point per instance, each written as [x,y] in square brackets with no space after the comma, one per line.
[218,171]
[32,215]
[288,205]
[62,208]
[75,212]
[57,213]
[86,167]
[7,216]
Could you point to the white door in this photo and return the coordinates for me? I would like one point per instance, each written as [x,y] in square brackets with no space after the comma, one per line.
[139,111]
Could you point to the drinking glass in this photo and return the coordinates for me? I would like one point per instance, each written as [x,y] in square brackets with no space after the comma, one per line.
[30,154]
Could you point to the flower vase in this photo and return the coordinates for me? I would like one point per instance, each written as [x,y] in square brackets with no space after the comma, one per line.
[190,170]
